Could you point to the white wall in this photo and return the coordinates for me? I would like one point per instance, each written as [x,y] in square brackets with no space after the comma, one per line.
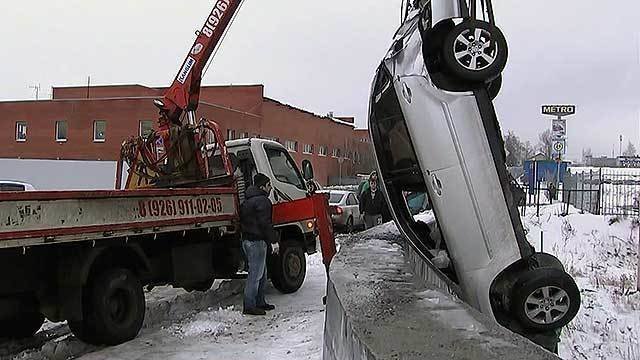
[61,174]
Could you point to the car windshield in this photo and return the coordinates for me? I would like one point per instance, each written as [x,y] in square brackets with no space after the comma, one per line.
[334,198]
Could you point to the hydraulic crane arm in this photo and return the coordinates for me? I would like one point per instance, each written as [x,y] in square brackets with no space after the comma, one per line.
[184,93]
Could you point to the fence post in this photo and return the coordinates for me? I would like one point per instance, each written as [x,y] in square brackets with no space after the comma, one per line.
[598,198]
[582,193]
[638,272]
[541,241]
[538,199]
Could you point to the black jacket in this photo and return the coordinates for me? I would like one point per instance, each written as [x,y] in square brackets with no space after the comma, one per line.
[372,206]
[255,216]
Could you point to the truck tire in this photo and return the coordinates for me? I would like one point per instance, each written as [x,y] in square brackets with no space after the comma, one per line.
[288,269]
[24,322]
[22,325]
[114,308]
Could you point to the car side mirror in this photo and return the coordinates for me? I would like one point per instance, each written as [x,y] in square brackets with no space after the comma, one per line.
[307,169]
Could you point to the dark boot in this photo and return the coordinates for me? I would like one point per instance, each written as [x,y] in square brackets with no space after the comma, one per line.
[254,311]
[266,307]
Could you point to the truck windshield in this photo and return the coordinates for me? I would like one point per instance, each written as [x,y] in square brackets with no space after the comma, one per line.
[284,168]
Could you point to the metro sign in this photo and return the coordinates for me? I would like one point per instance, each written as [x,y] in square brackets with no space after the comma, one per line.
[558,110]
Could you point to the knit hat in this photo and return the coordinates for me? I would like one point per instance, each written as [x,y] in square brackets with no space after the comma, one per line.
[260,180]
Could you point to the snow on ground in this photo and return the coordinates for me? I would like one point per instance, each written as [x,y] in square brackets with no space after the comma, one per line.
[603,260]
[294,330]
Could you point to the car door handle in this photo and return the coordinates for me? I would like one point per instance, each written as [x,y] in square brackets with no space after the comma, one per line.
[406,92]
[437,185]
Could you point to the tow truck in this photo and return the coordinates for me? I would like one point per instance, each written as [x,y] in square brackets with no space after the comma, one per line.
[84,256]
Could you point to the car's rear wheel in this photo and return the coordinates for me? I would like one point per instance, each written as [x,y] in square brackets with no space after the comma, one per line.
[349,225]
[545,299]
[474,51]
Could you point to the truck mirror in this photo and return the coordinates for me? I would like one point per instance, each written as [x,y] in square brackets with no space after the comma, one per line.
[307,169]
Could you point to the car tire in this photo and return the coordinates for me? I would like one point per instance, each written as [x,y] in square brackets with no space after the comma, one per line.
[471,59]
[114,308]
[494,86]
[349,225]
[541,260]
[545,299]
[288,269]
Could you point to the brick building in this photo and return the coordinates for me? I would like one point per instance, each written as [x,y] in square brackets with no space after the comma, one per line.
[90,123]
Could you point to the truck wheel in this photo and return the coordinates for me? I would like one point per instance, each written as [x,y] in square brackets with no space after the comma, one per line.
[545,299]
[22,325]
[200,286]
[475,51]
[115,308]
[288,269]
[24,322]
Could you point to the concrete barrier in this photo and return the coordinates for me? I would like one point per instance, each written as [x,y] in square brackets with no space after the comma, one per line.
[382,304]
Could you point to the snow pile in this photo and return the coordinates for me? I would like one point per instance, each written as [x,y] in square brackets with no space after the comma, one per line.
[208,323]
[601,254]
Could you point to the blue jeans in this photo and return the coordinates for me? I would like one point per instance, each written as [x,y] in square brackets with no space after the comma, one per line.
[256,252]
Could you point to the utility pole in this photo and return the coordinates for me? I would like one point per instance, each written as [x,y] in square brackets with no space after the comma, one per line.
[620,154]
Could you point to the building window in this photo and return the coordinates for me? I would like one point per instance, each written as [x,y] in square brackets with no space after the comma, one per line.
[308,148]
[61,131]
[291,145]
[21,131]
[99,129]
[323,150]
[336,152]
[244,135]
[146,128]
[231,134]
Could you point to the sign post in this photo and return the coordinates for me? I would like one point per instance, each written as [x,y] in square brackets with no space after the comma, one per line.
[558,133]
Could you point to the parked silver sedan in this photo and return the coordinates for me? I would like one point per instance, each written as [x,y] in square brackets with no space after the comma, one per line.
[345,211]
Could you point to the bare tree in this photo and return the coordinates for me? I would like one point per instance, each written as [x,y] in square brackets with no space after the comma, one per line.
[545,143]
[529,150]
[630,150]
[514,149]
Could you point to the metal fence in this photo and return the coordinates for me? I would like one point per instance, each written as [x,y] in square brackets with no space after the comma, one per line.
[603,191]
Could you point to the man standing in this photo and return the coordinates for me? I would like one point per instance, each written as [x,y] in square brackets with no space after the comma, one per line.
[257,235]
[372,204]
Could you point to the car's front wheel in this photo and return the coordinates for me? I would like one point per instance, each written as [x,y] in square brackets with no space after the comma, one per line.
[474,51]
[545,299]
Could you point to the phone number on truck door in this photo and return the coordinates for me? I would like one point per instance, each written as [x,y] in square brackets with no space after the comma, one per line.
[180,207]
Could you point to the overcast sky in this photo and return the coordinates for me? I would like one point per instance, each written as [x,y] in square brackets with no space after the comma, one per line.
[321,55]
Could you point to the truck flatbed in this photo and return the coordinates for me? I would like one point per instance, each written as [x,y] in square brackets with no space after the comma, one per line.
[44,217]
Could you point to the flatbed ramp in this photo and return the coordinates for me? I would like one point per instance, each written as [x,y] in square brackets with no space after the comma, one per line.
[44,217]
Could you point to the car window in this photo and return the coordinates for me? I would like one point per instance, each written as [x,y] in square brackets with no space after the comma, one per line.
[11,187]
[283,167]
[335,198]
[390,125]
[351,200]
